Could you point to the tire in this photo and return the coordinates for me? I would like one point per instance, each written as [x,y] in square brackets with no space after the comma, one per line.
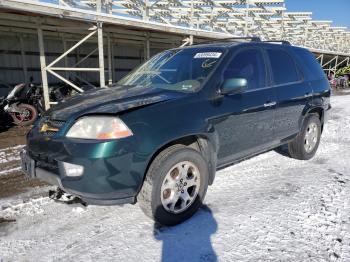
[164,165]
[28,119]
[298,147]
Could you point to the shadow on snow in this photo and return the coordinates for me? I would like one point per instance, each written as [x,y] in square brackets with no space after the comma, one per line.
[189,241]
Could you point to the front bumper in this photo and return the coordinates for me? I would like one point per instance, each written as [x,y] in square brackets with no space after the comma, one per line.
[112,173]
[53,179]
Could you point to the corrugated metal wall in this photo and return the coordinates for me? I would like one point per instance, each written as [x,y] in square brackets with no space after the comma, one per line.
[126,57]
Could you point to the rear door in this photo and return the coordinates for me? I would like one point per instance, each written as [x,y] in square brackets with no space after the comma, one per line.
[247,126]
[293,93]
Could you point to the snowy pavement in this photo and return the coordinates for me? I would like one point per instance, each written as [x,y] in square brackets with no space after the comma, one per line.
[9,158]
[268,208]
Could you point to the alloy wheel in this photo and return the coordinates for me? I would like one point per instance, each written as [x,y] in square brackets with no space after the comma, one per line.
[180,187]
[311,137]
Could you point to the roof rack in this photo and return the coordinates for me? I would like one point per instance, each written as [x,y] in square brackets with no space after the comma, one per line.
[283,42]
[233,39]
[251,38]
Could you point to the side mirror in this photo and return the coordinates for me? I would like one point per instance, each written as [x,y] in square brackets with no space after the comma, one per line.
[234,85]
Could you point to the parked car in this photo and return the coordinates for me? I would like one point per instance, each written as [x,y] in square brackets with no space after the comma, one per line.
[158,136]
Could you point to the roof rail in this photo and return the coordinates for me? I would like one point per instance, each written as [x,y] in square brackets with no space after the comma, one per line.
[233,39]
[283,42]
[251,38]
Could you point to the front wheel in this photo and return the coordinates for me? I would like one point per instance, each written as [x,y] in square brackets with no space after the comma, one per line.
[25,116]
[175,185]
[305,145]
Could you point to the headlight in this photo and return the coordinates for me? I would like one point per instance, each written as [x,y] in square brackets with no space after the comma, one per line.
[99,127]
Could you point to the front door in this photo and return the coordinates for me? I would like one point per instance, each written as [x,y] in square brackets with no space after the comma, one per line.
[246,124]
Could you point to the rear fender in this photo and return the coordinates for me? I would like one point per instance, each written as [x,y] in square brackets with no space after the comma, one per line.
[12,108]
[312,109]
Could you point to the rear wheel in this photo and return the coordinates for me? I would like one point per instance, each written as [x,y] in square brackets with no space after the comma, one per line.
[175,185]
[26,116]
[305,145]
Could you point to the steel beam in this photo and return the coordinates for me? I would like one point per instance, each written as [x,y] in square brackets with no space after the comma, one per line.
[246,18]
[43,68]
[187,41]
[147,47]
[110,75]
[342,61]
[113,62]
[64,43]
[330,61]
[336,64]
[72,48]
[78,69]
[65,80]
[98,6]
[24,62]
[85,57]
[101,60]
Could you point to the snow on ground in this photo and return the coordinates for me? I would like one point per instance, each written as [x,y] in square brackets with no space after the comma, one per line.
[268,208]
[10,154]
[9,158]
[9,171]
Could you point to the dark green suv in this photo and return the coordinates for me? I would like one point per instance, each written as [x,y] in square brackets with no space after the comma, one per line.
[158,136]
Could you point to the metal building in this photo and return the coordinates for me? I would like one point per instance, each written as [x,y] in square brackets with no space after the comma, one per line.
[98,41]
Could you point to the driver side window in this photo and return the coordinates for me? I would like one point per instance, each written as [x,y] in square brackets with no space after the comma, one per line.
[248,64]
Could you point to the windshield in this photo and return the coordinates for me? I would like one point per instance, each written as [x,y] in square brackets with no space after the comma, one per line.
[181,70]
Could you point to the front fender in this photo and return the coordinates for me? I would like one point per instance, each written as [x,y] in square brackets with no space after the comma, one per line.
[149,143]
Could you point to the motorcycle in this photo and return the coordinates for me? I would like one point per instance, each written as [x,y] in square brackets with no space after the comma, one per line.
[17,105]
[25,102]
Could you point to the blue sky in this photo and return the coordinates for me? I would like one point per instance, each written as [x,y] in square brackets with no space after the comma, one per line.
[336,10]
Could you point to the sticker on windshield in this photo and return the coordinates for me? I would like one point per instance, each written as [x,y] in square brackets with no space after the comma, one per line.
[208,55]
[207,63]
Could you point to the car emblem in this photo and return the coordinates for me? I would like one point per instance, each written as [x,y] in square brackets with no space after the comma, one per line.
[45,127]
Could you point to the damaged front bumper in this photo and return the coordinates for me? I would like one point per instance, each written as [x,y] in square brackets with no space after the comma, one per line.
[31,170]
[107,172]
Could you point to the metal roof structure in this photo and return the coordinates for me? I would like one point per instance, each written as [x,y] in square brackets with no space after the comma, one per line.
[268,19]
[167,22]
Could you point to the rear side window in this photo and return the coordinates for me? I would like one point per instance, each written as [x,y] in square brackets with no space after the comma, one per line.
[283,67]
[248,64]
[311,65]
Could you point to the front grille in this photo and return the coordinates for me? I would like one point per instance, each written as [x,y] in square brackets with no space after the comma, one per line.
[44,161]
[56,123]
[50,124]
[52,167]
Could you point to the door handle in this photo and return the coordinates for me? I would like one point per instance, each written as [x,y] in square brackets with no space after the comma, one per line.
[270,104]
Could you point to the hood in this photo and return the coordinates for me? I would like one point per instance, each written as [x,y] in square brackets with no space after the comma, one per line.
[111,100]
